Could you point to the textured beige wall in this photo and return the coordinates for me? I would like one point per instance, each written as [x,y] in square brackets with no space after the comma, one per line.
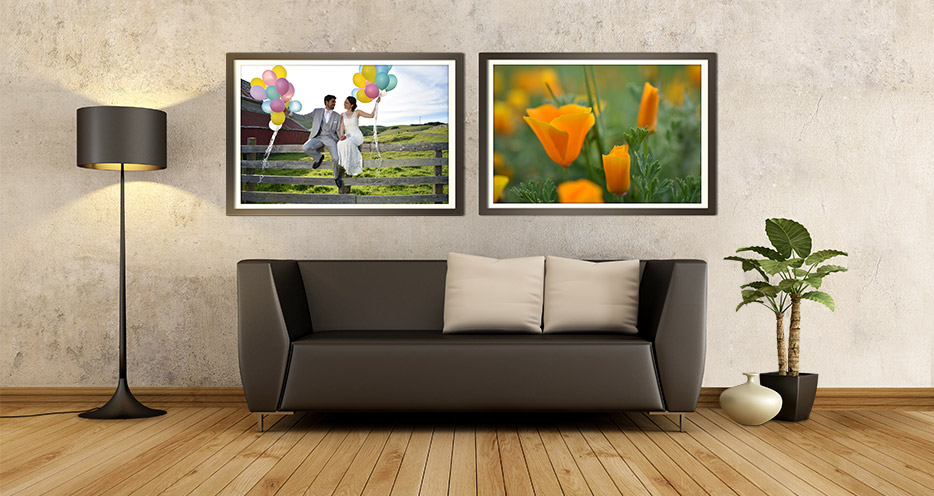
[825,116]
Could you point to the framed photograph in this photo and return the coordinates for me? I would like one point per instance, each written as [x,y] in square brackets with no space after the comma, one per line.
[598,133]
[345,133]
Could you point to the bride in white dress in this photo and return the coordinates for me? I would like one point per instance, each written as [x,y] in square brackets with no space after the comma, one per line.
[348,148]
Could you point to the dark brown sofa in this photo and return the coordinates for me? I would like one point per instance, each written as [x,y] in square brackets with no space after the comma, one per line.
[366,335]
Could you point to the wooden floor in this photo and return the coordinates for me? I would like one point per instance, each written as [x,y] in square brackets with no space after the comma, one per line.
[206,450]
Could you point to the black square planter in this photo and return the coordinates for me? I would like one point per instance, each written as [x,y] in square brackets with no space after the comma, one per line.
[797,393]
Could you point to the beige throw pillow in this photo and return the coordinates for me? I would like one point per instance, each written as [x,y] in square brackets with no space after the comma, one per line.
[490,295]
[587,296]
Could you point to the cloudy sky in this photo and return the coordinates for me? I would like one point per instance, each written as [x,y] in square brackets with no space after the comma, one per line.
[421,93]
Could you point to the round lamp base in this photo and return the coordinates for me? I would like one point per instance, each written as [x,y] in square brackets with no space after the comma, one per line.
[122,405]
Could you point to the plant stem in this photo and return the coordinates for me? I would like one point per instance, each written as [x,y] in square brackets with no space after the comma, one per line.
[780,337]
[794,335]
[553,96]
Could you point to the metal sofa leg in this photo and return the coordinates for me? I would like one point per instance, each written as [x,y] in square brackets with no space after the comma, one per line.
[261,417]
[680,418]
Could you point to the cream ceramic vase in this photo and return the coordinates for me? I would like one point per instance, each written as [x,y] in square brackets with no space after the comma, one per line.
[750,403]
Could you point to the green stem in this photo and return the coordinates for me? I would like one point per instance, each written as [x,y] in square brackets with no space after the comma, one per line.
[596,92]
[553,96]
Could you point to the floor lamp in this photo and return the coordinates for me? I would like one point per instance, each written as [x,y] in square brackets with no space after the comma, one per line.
[121,139]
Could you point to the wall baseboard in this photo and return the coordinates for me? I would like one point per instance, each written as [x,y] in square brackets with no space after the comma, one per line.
[851,398]
[827,398]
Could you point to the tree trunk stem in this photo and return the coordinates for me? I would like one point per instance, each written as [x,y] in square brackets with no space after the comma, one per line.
[794,335]
[780,337]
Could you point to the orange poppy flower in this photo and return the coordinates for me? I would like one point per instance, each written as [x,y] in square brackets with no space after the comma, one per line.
[580,191]
[499,185]
[533,81]
[648,110]
[694,72]
[616,167]
[561,130]
[674,92]
[502,119]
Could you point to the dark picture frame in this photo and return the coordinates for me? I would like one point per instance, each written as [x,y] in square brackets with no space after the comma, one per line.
[707,101]
[447,186]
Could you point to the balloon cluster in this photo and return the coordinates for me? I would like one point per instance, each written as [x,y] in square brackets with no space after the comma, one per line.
[371,81]
[276,92]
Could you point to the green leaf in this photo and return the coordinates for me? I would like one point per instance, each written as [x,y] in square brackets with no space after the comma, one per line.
[814,281]
[772,267]
[801,273]
[768,291]
[786,285]
[748,263]
[795,262]
[787,235]
[756,285]
[764,251]
[828,269]
[823,255]
[819,297]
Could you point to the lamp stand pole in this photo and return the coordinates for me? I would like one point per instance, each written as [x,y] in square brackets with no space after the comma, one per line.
[122,404]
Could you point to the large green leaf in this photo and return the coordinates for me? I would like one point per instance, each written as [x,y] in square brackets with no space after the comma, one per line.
[823,255]
[819,297]
[764,251]
[787,285]
[748,263]
[772,267]
[828,269]
[814,281]
[756,285]
[787,235]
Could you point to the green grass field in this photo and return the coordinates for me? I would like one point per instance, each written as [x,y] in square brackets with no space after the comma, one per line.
[432,133]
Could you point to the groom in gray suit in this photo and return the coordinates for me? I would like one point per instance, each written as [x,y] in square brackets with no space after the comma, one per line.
[325,127]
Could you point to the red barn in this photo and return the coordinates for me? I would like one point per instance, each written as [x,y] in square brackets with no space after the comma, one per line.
[254,123]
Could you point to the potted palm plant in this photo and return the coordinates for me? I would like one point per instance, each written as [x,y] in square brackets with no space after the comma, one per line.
[790,273]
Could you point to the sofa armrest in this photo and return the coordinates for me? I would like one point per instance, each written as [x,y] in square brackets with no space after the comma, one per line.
[673,315]
[272,312]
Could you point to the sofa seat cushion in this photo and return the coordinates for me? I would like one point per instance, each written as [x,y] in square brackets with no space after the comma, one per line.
[431,371]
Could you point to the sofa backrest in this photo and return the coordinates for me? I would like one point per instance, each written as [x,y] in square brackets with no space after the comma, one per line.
[364,295]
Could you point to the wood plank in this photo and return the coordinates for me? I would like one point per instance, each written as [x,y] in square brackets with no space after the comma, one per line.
[516,478]
[821,444]
[191,442]
[242,471]
[73,463]
[746,447]
[802,448]
[351,181]
[921,429]
[409,479]
[678,478]
[598,480]
[707,459]
[438,468]
[489,468]
[569,475]
[726,460]
[276,476]
[654,482]
[464,461]
[256,166]
[387,466]
[305,474]
[813,477]
[332,473]
[541,472]
[908,439]
[112,454]
[359,470]
[365,147]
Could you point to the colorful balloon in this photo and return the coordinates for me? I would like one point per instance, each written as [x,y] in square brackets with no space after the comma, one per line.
[382,80]
[257,82]
[279,71]
[392,82]
[277,105]
[272,93]
[288,94]
[267,107]
[359,80]
[269,77]
[282,85]
[295,106]
[371,90]
[274,126]
[361,97]
[382,68]
[258,92]
[353,92]
[277,118]
[369,72]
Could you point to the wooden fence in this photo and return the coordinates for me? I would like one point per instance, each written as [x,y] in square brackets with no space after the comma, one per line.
[251,171]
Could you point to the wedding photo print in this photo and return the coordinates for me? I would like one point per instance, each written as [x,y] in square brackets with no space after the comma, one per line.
[598,134]
[344,134]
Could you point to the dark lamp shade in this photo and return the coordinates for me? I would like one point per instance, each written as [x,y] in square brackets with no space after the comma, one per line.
[132,136]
